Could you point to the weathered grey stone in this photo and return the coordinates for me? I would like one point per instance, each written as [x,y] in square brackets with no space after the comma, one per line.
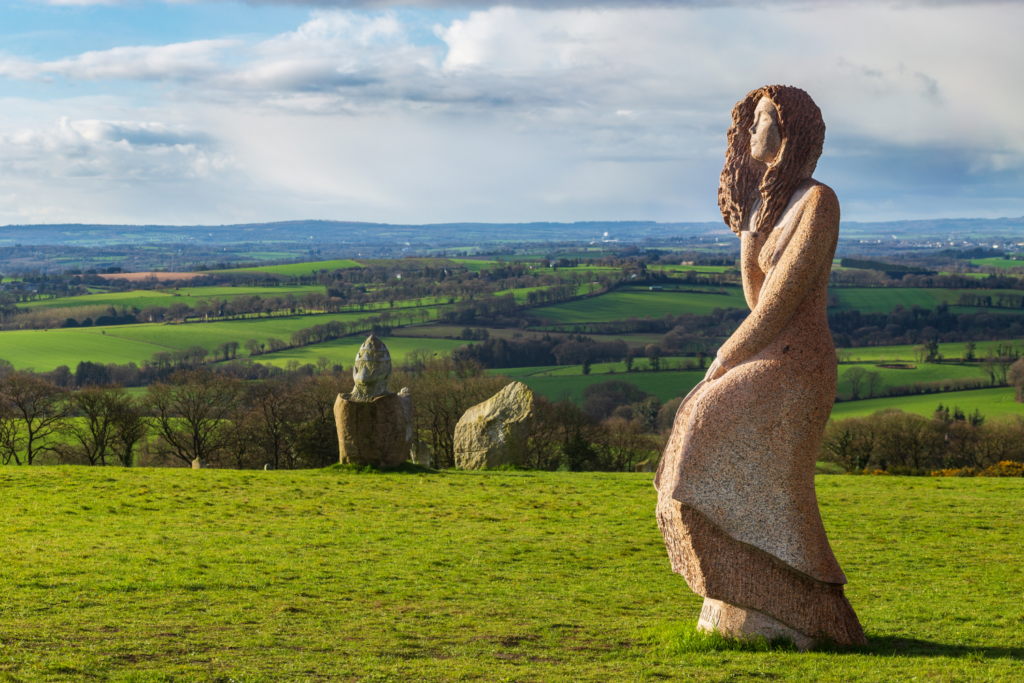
[495,432]
[374,432]
[371,370]
[374,427]
[198,464]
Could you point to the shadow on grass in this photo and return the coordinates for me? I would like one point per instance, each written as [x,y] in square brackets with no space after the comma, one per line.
[686,639]
[404,468]
[912,647]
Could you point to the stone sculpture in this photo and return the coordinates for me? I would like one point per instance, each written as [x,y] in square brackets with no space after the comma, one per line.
[375,427]
[495,432]
[736,501]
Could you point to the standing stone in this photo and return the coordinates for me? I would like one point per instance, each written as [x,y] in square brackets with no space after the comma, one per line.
[198,464]
[375,427]
[495,432]
[420,454]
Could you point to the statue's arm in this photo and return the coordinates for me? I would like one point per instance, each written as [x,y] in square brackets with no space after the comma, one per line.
[808,252]
[753,276]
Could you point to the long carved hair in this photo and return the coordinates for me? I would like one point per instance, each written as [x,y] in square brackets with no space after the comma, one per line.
[803,135]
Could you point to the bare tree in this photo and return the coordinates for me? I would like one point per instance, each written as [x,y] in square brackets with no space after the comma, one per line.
[91,434]
[190,414]
[316,436]
[1015,377]
[874,382]
[130,427]
[273,403]
[33,413]
[855,376]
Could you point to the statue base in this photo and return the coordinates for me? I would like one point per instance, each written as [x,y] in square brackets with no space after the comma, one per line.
[746,624]
[377,432]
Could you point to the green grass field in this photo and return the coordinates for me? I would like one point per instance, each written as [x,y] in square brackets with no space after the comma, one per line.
[191,295]
[993,403]
[160,576]
[343,351]
[621,304]
[907,353]
[45,350]
[295,269]
[694,269]
[884,299]
[664,385]
[998,262]
[922,372]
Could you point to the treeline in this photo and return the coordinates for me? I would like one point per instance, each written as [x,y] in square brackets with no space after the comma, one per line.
[878,278]
[1002,300]
[569,350]
[917,325]
[215,419]
[904,443]
[197,415]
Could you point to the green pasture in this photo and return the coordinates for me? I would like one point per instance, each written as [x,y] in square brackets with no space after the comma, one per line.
[884,299]
[993,403]
[295,269]
[619,305]
[999,262]
[343,351]
[922,372]
[45,350]
[191,295]
[665,385]
[906,352]
[161,575]
[693,269]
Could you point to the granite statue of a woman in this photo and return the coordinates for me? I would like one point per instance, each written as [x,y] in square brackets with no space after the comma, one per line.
[736,501]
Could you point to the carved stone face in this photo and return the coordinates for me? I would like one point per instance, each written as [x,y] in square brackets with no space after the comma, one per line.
[372,369]
[765,136]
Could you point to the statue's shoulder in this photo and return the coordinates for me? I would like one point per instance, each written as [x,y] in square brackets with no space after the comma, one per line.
[822,201]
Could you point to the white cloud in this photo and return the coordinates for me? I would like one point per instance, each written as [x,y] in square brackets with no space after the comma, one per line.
[182,62]
[570,114]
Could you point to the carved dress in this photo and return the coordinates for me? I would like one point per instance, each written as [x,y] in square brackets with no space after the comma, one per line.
[736,501]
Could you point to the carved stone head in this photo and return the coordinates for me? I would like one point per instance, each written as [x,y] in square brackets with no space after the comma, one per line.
[372,370]
[775,140]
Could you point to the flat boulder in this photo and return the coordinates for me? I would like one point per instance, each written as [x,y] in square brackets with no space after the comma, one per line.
[495,432]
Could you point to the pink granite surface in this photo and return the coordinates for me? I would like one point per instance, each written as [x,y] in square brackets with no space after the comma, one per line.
[736,500]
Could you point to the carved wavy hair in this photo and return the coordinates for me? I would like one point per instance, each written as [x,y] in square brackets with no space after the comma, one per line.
[803,135]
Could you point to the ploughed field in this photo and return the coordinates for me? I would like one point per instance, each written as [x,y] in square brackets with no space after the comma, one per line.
[114,574]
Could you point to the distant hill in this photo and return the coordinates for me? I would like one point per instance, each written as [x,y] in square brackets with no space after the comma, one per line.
[444,235]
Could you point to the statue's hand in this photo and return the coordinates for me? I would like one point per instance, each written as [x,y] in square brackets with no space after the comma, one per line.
[715,371]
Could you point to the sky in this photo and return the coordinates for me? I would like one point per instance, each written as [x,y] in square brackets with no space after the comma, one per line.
[217,112]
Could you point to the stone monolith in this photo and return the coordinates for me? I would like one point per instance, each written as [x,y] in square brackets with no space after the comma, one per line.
[375,427]
[495,432]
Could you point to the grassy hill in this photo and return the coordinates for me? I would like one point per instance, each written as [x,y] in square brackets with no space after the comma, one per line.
[151,576]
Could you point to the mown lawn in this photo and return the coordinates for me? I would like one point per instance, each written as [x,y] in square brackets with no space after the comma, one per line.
[180,575]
